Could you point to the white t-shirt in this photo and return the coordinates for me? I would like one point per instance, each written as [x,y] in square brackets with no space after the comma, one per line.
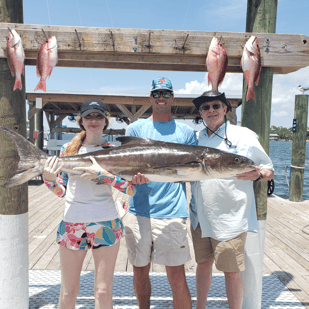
[87,201]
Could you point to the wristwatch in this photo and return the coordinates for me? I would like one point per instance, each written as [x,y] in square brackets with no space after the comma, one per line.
[261,176]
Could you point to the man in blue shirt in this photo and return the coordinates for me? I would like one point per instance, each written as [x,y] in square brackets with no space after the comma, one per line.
[155,224]
[223,210]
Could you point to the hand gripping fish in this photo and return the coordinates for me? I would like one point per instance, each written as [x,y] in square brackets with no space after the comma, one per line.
[158,161]
[251,65]
[16,57]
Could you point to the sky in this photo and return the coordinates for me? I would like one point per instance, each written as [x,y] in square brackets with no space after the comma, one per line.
[198,15]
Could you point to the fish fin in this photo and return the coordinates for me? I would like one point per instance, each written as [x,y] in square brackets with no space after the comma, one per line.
[21,178]
[11,67]
[134,139]
[258,77]
[38,73]
[17,85]
[250,94]
[29,158]
[41,85]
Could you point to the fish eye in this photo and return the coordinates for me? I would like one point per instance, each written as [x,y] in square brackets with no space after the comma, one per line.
[237,159]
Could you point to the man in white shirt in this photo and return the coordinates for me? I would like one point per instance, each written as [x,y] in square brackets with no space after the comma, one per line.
[223,210]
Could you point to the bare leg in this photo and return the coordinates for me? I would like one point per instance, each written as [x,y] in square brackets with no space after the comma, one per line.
[203,282]
[233,287]
[142,286]
[177,279]
[104,261]
[71,265]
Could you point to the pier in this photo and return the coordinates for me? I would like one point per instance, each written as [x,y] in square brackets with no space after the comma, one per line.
[285,269]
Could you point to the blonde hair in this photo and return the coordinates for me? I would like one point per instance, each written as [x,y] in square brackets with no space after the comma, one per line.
[78,140]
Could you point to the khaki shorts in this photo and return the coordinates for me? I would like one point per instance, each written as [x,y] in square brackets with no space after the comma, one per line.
[161,241]
[228,255]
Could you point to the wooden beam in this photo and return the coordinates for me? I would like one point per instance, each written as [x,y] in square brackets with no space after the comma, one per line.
[126,112]
[58,120]
[167,50]
[141,111]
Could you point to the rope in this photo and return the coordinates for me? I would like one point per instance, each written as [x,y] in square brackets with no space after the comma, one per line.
[293,166]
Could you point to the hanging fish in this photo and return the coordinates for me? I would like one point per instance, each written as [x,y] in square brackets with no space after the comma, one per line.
[15,57]
[216,63]
[46,60]
[251,65]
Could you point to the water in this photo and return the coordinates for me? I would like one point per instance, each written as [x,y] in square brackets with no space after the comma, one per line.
[280,153]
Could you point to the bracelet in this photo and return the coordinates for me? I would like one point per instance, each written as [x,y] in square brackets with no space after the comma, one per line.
[258,179]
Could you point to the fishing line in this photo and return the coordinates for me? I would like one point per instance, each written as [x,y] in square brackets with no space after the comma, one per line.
[110,15]
[48,11]
[227,141]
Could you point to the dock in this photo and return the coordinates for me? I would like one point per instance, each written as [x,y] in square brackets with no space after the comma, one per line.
[285,268]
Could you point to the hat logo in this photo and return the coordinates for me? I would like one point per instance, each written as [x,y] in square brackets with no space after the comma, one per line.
[162,81]
[94,103]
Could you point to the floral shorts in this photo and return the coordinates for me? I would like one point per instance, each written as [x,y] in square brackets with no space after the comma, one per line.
[92,235]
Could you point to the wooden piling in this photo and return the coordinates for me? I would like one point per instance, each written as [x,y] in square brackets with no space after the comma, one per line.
[39,127]
[261,17]
[14,278]
[299,148]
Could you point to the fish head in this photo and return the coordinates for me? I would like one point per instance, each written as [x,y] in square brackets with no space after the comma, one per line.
[252,45]
[221,164]
[52,43]
[216,46]
[13,38]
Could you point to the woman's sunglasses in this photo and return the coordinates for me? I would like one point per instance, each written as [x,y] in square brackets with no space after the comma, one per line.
[207,107]
[97,117]
[157,94]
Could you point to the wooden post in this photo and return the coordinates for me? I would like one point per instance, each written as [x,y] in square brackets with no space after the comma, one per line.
[31,124]
[299,148]
[261,17]
[39,127]
[14,291]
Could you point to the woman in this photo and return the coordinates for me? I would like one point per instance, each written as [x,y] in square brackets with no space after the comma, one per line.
[90,217]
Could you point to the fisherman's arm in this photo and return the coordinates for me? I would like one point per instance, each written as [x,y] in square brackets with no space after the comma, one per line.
[264,169]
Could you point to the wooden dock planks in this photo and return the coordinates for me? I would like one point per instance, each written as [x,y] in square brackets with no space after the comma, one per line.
[286,243]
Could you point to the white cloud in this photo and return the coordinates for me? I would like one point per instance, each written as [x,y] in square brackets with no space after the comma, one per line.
[280,114]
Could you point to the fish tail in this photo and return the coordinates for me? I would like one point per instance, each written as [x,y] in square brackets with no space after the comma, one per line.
[17,84]
[41,85]
[250,94]
[30,159]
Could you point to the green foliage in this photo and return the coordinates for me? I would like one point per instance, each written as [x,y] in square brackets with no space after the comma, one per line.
[284,133]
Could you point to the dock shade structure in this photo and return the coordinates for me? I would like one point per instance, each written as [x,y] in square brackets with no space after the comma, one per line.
[127,107]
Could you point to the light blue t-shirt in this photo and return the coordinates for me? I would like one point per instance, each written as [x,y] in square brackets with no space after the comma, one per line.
[160,199]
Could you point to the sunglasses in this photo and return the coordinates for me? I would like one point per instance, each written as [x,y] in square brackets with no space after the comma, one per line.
[98,117]
[207,107]
[157,94]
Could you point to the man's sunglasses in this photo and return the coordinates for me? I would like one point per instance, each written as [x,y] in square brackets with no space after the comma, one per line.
[207,107]
[157,94]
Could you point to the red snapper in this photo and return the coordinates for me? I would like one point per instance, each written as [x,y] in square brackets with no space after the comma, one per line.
[16,57]
[46,60]
[251,65]
[216,63]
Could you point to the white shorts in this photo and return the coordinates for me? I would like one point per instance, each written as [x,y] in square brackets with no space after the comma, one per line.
[161,241]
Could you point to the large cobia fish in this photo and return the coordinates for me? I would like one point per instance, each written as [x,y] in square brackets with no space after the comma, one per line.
[216,63]
[251,65]
[46,60]
[159,161]
[16,57]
